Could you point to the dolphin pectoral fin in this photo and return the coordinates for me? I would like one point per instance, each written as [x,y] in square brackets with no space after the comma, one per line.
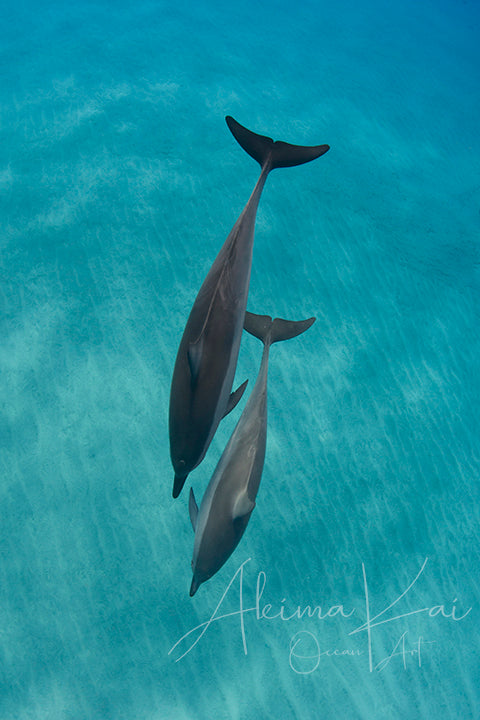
[192,509]
[243,505]
[235,398]
[194,354]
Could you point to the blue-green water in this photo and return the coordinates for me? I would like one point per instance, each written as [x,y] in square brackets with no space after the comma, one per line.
[119,181]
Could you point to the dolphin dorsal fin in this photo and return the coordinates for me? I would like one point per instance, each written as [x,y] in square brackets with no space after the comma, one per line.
[192,509]
[235,398]
[243,505]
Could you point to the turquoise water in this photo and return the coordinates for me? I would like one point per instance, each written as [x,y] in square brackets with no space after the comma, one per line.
[119,181]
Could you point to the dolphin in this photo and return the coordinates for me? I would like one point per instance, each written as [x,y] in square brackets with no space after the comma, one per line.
[204,370]
[230,496]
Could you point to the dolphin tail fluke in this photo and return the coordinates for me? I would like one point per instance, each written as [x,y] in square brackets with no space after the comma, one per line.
[268,330]
[276,154]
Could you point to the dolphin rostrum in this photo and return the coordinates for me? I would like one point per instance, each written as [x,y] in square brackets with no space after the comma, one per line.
[230,495]
[205,366]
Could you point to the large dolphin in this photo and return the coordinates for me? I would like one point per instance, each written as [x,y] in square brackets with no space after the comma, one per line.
[230,496]
[204,370]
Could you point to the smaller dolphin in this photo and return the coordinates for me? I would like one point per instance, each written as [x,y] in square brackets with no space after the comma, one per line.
[230,496]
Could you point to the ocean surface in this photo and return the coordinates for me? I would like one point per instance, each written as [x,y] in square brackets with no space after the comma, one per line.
[355,592]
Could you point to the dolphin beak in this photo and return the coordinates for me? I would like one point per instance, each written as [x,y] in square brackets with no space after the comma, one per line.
[194,586]
[178,483]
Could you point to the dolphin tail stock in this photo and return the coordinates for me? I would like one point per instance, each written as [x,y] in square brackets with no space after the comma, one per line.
[276,154]
[271,331]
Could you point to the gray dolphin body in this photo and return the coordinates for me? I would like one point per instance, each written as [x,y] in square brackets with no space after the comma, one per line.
[205,366]
[230,496]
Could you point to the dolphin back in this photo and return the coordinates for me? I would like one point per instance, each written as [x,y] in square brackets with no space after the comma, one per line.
[270,331]
[276,154]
